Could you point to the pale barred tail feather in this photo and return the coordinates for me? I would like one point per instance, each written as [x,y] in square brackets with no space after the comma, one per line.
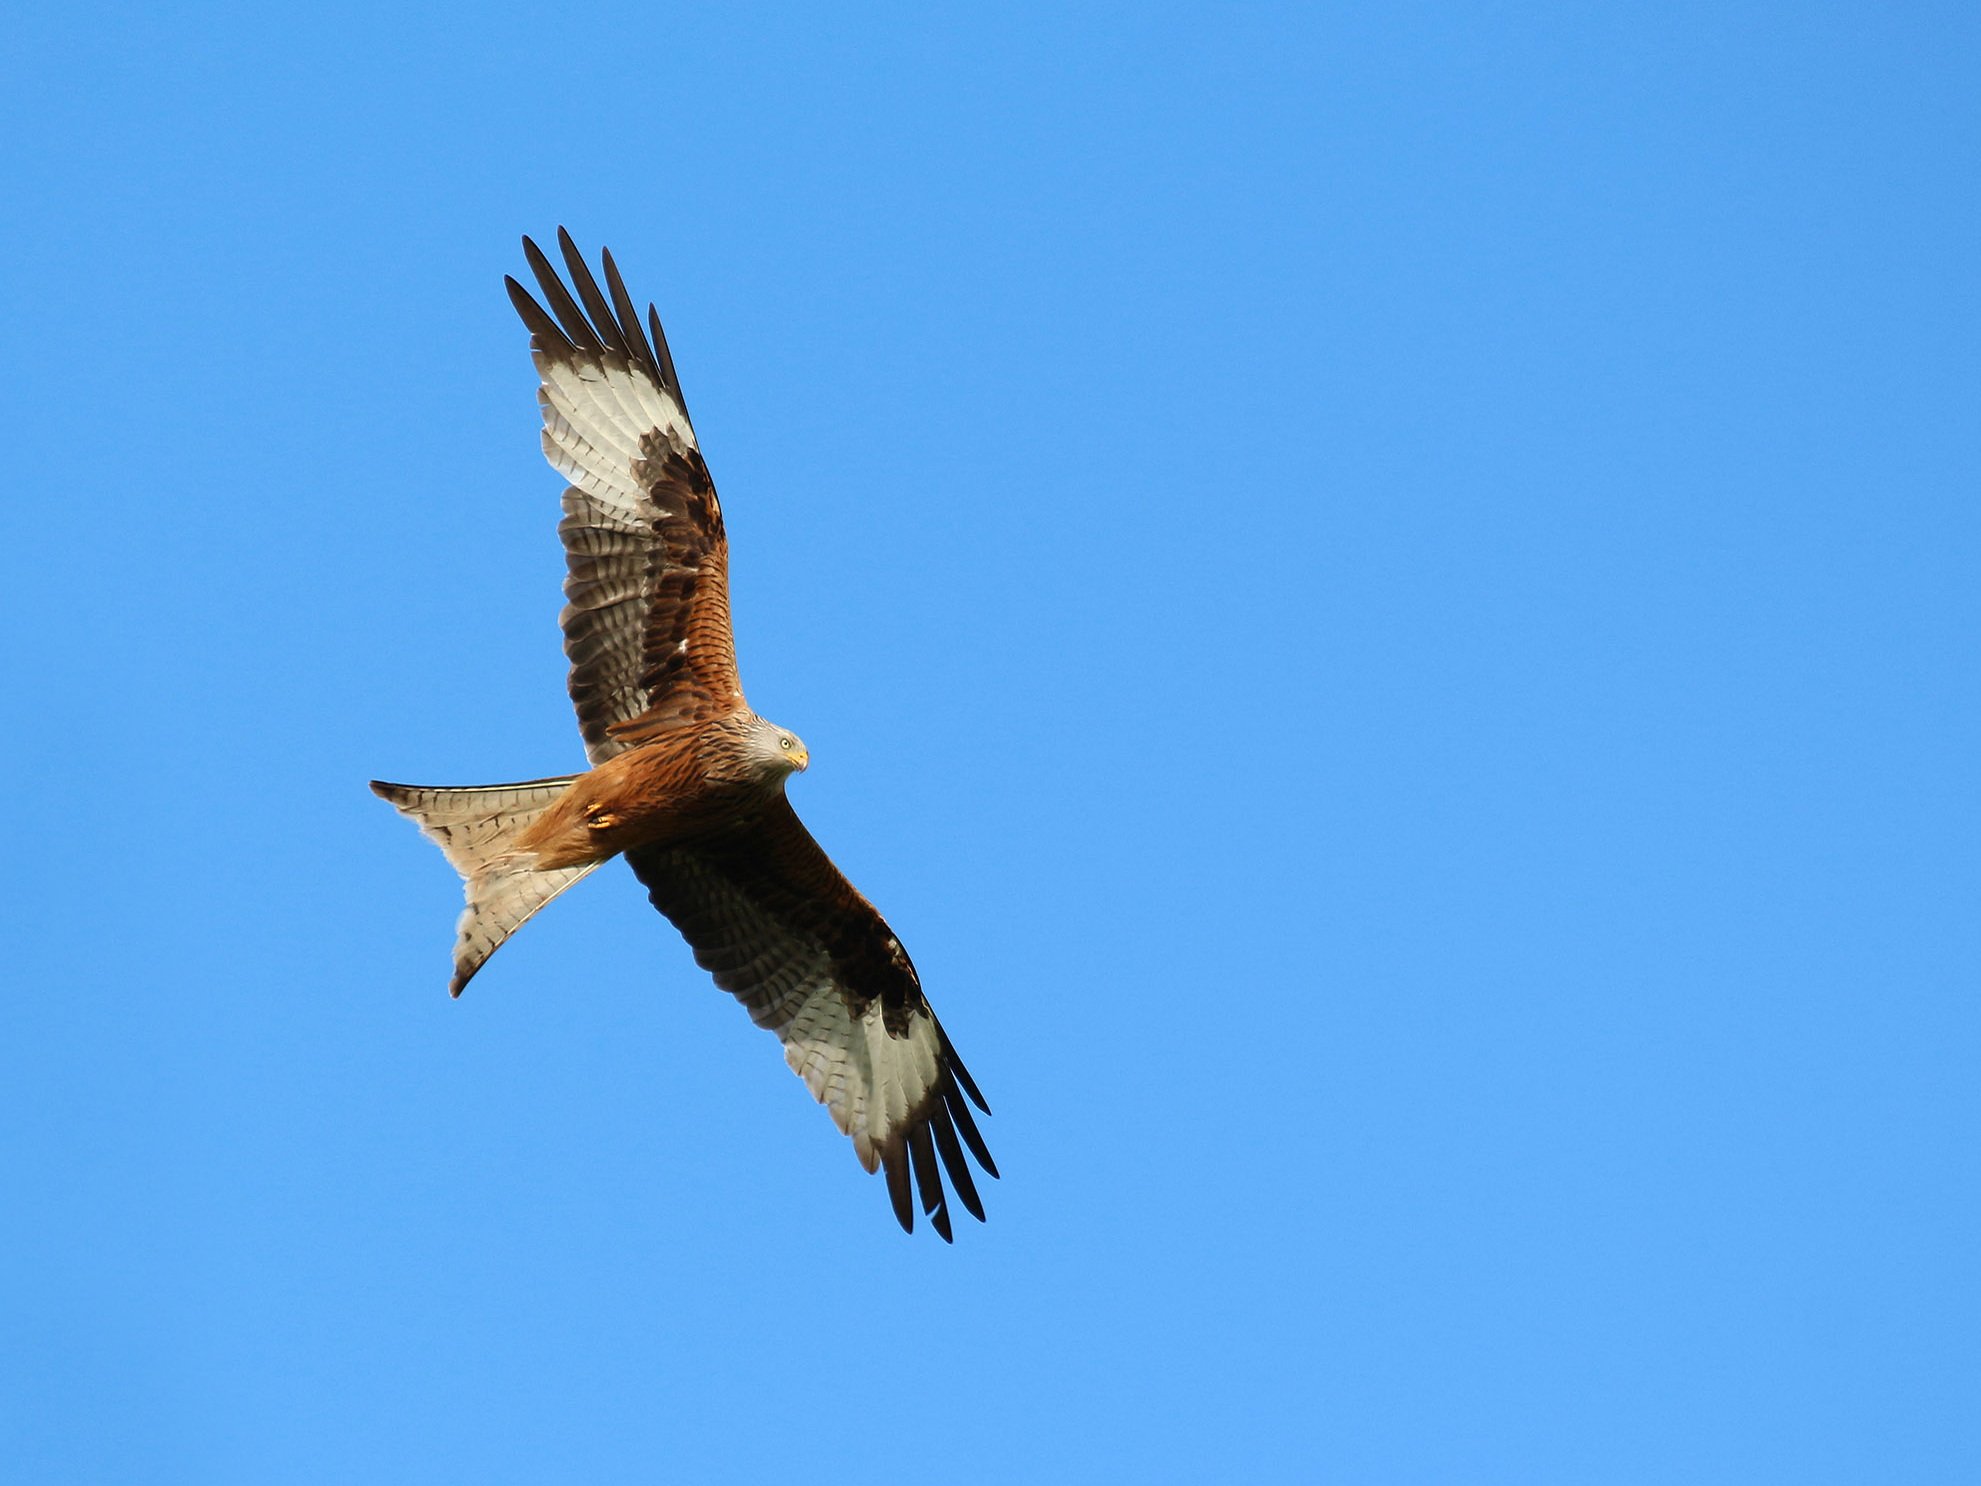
[475,826]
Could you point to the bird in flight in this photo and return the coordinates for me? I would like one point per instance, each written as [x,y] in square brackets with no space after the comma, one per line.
[687,782]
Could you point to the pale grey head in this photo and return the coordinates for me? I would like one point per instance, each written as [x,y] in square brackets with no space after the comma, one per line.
[767,752]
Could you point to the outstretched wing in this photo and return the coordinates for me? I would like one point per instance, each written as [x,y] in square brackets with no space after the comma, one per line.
[646,625]
[785,933]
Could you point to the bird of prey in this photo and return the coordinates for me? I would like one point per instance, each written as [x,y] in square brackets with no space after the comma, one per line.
[687,782]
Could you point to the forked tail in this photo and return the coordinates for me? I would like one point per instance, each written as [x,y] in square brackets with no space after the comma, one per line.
[476,827]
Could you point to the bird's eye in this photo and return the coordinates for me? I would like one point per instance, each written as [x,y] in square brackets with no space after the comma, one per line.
[785,744]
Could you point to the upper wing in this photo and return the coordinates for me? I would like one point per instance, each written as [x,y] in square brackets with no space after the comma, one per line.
[785,933]
[647,623]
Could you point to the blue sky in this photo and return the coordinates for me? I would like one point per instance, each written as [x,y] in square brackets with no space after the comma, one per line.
[1385,596]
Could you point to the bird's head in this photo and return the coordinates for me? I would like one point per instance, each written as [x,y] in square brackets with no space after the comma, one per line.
[777,751]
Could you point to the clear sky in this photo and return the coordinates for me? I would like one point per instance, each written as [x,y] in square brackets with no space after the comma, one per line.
[1386,596]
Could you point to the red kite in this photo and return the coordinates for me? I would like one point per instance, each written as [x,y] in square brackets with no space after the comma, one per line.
[687,783]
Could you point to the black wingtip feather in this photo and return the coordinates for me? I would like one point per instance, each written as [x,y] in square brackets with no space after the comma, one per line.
[600,323]
[535,318]
[671,381]
[576,328]
[953,1162]
[955,1065]
[894,1161]
[629,318]
[966,1126]
[596,306]
[928,1178]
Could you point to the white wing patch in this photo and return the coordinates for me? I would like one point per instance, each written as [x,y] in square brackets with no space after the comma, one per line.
[595,417]
[596,413]
[867,1079]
